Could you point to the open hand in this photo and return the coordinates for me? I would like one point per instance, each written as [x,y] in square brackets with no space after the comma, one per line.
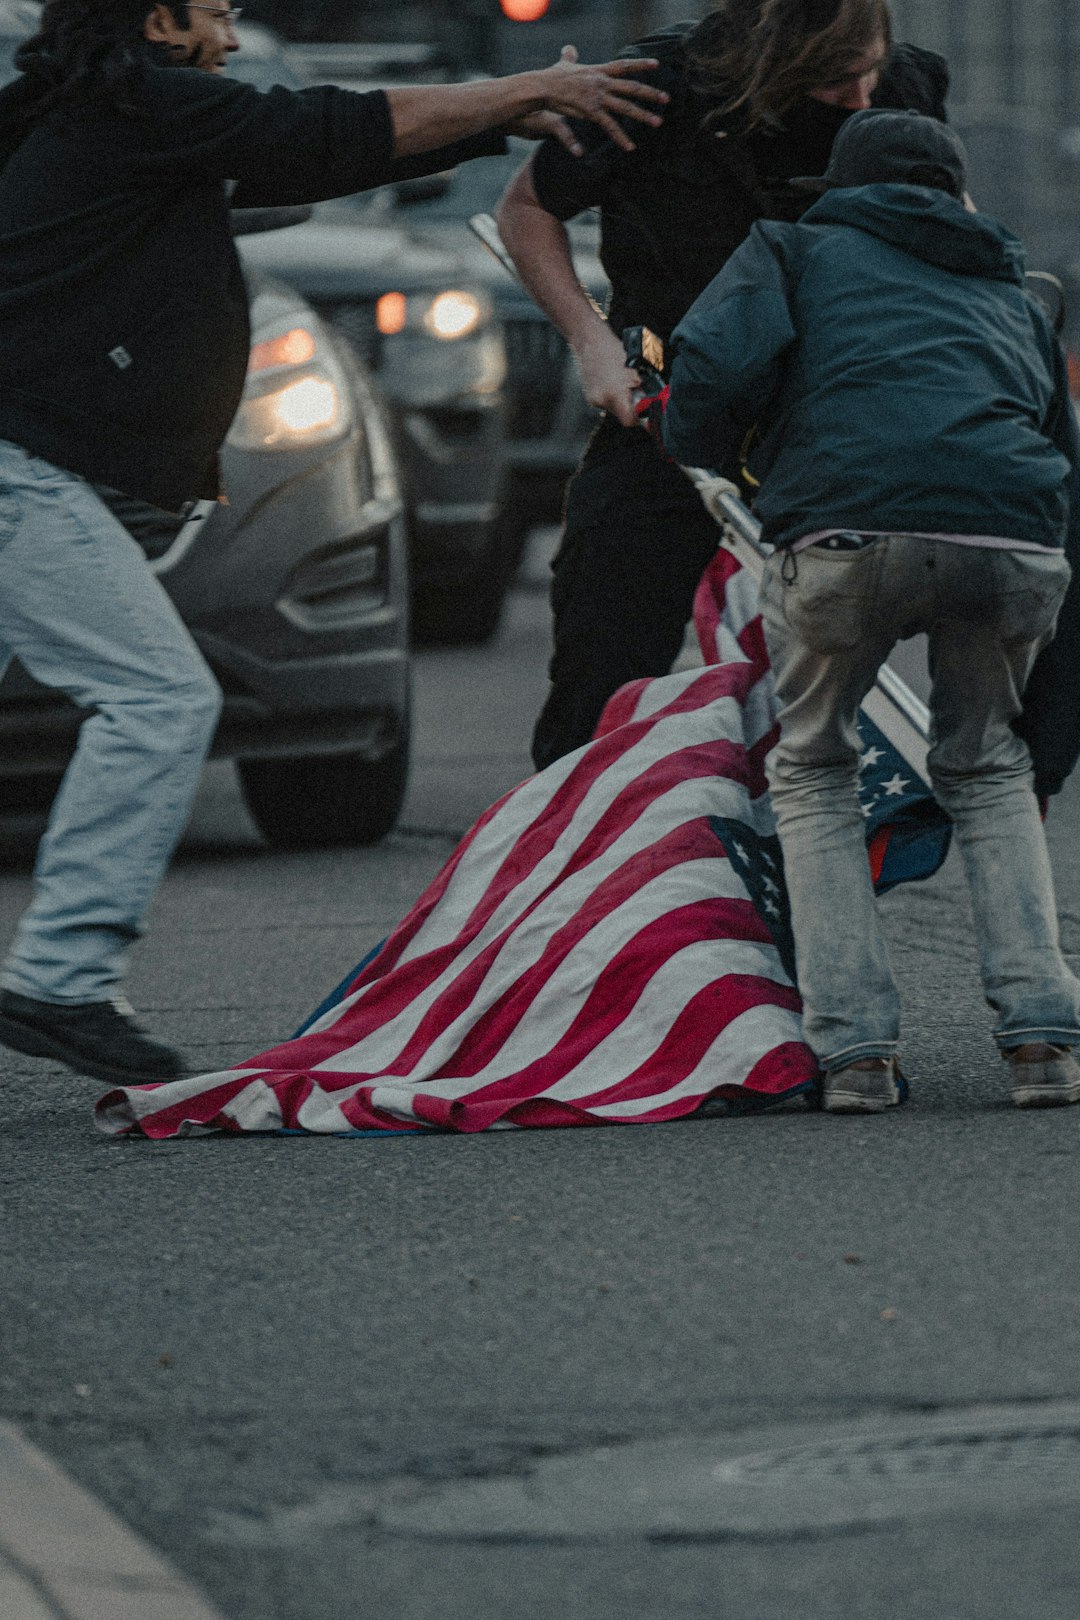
[538,126]
[602,94]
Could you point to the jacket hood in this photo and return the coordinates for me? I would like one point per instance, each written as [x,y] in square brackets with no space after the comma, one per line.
[927,223]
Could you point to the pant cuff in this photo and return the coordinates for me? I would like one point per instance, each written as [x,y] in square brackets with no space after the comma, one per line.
[856,1053]
[40,992]
[1048,1034]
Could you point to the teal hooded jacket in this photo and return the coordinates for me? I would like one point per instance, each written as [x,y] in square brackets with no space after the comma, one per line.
[889,371]
[900,376]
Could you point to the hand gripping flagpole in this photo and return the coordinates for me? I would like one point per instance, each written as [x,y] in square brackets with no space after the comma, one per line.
[890,704]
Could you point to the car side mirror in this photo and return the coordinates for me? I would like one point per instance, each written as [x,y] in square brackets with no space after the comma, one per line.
[249,221]
[1051,295]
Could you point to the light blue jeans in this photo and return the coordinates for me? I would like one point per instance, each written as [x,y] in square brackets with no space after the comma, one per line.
[831,618]
[83,613]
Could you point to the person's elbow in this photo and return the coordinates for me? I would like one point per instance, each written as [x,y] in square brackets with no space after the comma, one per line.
[519,200]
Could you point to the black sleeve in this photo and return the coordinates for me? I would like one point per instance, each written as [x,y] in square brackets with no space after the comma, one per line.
[915,80]
[279,146]
[492,143]
[566,185]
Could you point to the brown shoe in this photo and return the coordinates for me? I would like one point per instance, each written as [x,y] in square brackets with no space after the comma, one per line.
[1043,1076]
[868,1086]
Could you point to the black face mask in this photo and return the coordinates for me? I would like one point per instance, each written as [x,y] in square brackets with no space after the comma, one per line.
[801,144]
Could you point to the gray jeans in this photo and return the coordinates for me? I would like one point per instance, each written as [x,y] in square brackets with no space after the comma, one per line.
[83,613]
[831,618]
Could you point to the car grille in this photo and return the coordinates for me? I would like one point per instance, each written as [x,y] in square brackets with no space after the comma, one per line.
[356,322]
[536,370]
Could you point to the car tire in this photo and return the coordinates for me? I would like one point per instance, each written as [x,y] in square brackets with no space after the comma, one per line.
[326,801]
[468,613]
[464,616]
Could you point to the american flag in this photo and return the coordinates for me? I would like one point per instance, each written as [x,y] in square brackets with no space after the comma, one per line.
[608,945]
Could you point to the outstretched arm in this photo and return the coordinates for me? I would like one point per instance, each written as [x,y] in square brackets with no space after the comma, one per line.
[436,115]
[538,244]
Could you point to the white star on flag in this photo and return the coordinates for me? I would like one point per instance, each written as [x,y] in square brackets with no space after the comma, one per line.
[896,785]
[871,757]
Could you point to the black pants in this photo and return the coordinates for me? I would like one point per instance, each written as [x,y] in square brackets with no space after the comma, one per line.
[636,543]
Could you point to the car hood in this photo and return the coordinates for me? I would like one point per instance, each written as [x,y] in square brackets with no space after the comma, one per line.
[505,290]
[325,258]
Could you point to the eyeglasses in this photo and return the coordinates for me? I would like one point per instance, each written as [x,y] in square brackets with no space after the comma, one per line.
[225,14]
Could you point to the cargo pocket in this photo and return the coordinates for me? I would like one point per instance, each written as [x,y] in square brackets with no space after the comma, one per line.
[829,602]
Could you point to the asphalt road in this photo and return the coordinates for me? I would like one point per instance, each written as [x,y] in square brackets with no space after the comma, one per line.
[412,1378]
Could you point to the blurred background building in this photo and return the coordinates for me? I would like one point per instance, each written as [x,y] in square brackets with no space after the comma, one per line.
[502,35]
[1016,101]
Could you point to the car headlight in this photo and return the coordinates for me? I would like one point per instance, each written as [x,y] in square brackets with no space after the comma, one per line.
[439,348]
[453,315]
[296,394]
[447,316]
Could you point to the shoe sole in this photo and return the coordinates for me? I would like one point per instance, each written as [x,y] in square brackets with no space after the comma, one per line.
[855,1102]
[1046,1096]
[34,1043]
[865,1102]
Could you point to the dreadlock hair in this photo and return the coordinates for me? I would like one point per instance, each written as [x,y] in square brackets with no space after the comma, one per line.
[93,50]
[766,54]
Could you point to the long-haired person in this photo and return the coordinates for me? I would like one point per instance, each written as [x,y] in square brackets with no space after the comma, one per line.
[123,348]
[759,89]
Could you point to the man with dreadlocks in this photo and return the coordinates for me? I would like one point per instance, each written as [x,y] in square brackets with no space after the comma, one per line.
[123,348]
[759,90]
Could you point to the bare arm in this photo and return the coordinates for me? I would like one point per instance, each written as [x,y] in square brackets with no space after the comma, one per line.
[540,248]
[435,115]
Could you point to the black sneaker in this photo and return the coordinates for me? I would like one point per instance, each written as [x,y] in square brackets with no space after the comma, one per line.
[100,1038]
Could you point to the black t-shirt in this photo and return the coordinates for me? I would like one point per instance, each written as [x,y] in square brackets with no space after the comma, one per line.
[675,209]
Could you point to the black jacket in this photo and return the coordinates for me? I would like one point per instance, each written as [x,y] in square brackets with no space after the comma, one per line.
[123,313]
[674,210]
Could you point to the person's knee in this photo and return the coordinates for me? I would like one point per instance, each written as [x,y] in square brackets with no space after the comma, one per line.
[980,785]
[177,719]
[806,773]
[201,701]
